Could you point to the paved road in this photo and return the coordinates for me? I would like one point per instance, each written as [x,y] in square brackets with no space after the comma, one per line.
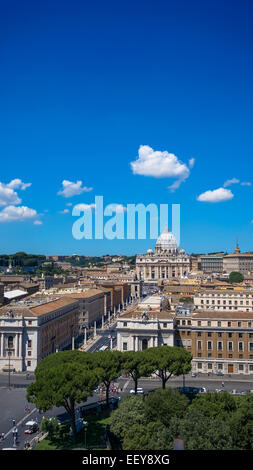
[13,401]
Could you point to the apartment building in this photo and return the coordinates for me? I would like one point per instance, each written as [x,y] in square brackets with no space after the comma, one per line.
[32,329]
[218,340]
[224,299]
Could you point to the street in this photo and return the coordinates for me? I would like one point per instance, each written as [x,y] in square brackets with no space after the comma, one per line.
[13,402]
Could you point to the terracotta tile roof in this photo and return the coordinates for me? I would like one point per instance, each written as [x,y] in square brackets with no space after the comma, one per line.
[227,315]
[51,306]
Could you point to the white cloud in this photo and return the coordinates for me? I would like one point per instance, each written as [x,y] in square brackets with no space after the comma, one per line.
[84,207]
[245,183]
[191,162]
[69,204]
[37,222]
[229,182]
[72,189]
[8,196]
[217,195]
[18,184]
[161,165]
[65,211]
[13,213]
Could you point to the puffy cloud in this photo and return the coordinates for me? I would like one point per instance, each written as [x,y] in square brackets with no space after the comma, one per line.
[18,184]
[14,213]
[245,183]
[72,189]
[161,165]
[8,196]
[7,193]
[158,164]
[229,182]
[37,222]
[217,195]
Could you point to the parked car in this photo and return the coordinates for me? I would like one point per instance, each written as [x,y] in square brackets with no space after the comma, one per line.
[219,372]
[31,427]
[202,390]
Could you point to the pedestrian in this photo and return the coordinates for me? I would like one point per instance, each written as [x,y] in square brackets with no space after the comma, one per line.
[13,422]
[222,384]
[14,441]
[2,436]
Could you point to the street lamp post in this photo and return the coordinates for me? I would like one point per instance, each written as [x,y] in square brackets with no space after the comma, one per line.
[9,367]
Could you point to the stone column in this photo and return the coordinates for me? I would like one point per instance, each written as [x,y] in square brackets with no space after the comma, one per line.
[16,344]
[2,344]
[133,342]
[95,328]
[85,336]
[102,321]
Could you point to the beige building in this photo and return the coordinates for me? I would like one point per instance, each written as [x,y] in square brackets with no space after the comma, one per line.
[240,262]
[32,329]
[224,299]
[165,263]
[147,325]
[218,341]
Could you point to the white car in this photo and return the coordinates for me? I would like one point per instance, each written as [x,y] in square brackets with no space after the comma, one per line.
[139,390]
[202,390]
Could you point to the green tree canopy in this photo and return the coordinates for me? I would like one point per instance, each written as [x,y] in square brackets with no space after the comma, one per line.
[153,436]
[161,405]
[136,364]
[109,365]
[214,404]
[235,277]
[130,411]
[63,379]
[169,360]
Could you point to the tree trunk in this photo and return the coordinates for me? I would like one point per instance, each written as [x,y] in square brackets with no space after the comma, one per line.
[107,394]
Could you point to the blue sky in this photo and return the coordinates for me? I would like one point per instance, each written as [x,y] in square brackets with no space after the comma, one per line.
[85,85]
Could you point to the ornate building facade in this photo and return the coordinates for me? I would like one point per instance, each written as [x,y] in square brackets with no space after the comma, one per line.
[166,262]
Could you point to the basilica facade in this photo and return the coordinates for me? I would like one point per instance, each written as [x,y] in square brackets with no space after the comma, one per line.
[166,262]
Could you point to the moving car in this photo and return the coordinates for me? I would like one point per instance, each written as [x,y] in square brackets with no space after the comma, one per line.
[139,390]
[31,427]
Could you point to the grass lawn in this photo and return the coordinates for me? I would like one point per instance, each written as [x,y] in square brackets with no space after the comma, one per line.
[94,436]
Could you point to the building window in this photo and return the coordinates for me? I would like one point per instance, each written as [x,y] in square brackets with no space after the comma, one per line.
[124,323]
[230,356]
[199,344]
[209,345]
[29,322]
[241,367]
[199,333]
[10,342]
[29,344]
[240,335]
[29,353]
[165,325]
[229,323]
[220,335]
[230,345]
[220,345]
[251,347]
[124,346]
[230,335]
[199,354]
[249,324]
[220,356]
[219,323]
[199,323]
[209,355]
[240,346]
[209,334]
[210,366]
[239,324]
[199,365]
[28,363]
[220,366]
[208,323]
[251,367]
